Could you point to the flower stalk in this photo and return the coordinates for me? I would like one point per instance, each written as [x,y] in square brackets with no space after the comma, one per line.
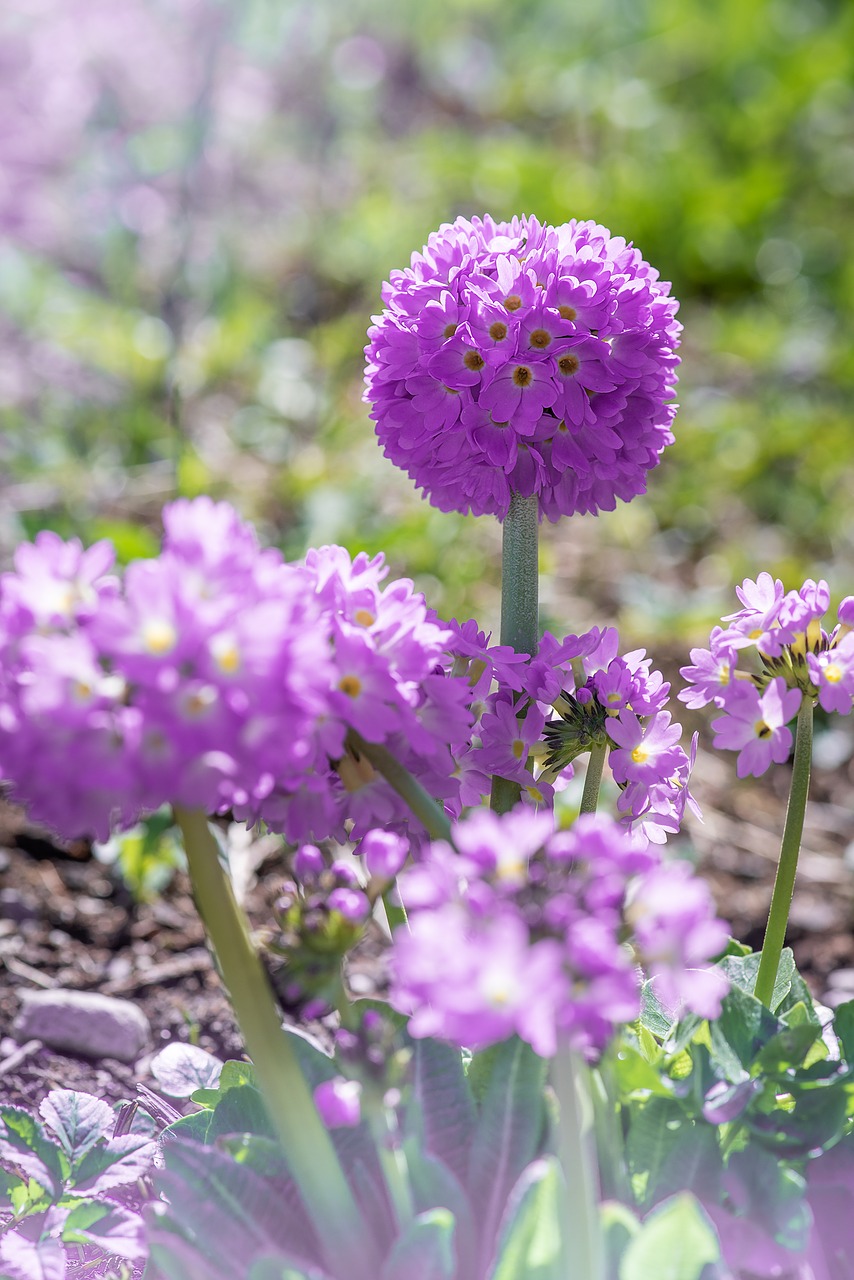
[311,1155]
[569,1077]
[784,884]
[593,777]
[519,604]
[431,814]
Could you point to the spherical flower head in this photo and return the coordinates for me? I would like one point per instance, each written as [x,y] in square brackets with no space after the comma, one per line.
[517,358]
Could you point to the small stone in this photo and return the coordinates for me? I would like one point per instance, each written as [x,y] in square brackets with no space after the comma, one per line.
[83,1022]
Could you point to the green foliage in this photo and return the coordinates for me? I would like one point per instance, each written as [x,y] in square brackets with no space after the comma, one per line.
[58,1178]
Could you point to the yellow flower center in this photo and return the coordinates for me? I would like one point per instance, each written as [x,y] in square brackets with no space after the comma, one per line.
[522,376]
[498,331]
[351,685]
[513,302]
[640,755]
[761,729]
[832,673]
[473,360]
[569,365]
[519,748]
[568,313]
[159,636]
[364,617]
[450,330]
[540,338]
[226,654]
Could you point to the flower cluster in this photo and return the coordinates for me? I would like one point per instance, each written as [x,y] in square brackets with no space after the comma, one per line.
[518,358]
[575,695]
[520,929]
[216,676]
[795,658]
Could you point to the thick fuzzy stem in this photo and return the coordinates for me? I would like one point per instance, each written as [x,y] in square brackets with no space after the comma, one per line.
[784,884]
[593,778]
[519,604]
[570,1081]
[311,1156]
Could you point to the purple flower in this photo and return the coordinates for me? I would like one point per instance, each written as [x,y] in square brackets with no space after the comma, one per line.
[519,358]
[522,930]
[646,752]
[711,673]
[754,725]
[339,1102]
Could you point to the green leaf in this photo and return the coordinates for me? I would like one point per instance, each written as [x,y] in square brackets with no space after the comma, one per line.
[675,1242]
[232,1215]
[659,1133]
[278,1269]
[234,1073]
[446,1105]
[532,1243]
[25,1146]
[634,1074]
[108,1226]
[196,1125]
[741,1031]
[619,1226]
[843,1025]
[77,1119]
[653,1015]
[510,1126]
[241,1110]
[425,1250]
[788,1047]
[742,972]
[112,1164]
[435,1186]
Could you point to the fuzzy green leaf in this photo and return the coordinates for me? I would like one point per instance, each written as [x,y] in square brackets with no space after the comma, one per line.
[675,1243]
[532,1242]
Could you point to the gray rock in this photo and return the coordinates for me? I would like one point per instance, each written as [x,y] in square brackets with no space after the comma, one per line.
[83,1022]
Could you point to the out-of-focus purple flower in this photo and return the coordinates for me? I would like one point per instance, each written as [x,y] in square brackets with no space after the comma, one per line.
[217,676]
[339,1102]
[519,358]
[676,931]
[383,853]
[520,929]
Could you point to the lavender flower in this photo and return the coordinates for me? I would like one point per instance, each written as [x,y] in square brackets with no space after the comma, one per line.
[515,357]
[521,930]
[794,657]
[217,676]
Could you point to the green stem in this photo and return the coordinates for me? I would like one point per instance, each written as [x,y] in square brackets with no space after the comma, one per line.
[392,1162]
[784,884]
[431,814]
[311,1155]
[578,1159]
[593,777]
[395,912]
[519,604]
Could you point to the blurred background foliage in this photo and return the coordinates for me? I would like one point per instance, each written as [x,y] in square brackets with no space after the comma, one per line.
[200,199]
